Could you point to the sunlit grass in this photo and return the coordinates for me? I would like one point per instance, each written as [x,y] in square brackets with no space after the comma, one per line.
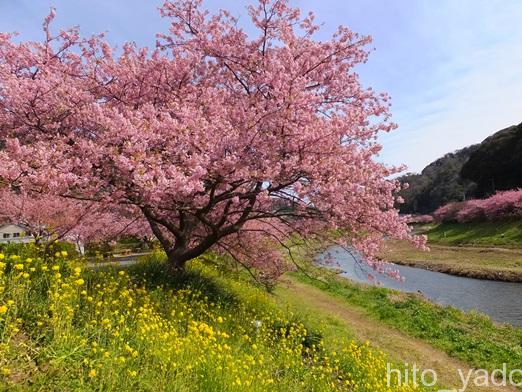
[65,328]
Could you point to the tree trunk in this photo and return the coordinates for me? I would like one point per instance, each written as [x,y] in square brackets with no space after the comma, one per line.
[175,263]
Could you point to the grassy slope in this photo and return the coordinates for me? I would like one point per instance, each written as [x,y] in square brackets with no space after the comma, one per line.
[339,320]
[76,332]
[484,250]
[470,337]
[62,329]
[506,233]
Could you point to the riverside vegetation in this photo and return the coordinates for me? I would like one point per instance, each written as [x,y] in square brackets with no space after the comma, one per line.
[486,249]
[471,337]
[65,327]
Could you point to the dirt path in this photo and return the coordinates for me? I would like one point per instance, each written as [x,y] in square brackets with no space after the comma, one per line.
[400,347]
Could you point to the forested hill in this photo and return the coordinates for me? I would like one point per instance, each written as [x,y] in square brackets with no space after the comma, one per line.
[473,172]
[497,163]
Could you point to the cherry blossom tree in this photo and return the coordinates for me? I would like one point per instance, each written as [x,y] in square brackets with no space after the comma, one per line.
[50,218]
[222,140]
[501,205]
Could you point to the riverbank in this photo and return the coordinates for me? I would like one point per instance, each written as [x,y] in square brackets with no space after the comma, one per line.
[493,263]
[501,234]
[107,329]
[469,338]
[342,315]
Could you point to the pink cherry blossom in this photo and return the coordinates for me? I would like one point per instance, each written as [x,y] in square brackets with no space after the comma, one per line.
[221,140]
[48,218]
[501,205]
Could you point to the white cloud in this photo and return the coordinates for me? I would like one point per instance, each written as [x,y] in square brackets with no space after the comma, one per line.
[477,88]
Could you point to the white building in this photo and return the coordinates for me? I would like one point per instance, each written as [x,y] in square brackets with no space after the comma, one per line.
[10,233]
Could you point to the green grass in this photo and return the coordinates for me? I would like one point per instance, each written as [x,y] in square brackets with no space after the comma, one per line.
[470,337]
[141,329]
[507,233]
[477,262]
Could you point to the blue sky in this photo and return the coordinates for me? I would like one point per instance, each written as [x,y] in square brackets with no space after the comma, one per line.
[452,67]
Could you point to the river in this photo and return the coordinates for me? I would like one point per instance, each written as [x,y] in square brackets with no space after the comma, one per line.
[502,301]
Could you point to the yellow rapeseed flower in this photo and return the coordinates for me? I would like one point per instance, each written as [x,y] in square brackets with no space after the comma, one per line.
[92,373]
[3,309]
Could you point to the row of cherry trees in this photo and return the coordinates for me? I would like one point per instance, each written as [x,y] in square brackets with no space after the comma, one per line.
[214,140]
[501,205]
[50,218]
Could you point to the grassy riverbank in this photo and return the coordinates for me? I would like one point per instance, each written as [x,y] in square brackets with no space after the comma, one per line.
[469,337]
[503,233]
[483,250]
[475,262]
[64,329]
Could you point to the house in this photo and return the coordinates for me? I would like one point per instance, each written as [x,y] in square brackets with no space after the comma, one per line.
[10,233]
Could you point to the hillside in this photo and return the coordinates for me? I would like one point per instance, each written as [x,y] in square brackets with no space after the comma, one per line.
[497,162]
[141,329]
[472,172]
[97,328]
[439,183]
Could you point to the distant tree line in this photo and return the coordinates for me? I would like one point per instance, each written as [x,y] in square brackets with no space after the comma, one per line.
[477,171]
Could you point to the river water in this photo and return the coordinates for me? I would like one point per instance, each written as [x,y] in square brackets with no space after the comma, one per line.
[502,301]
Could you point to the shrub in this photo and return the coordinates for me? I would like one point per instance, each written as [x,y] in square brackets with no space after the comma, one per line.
[472,210]
[502,205]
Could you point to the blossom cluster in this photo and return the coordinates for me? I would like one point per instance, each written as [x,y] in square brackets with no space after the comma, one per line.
[215,139]
[501,205]
[421,219]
